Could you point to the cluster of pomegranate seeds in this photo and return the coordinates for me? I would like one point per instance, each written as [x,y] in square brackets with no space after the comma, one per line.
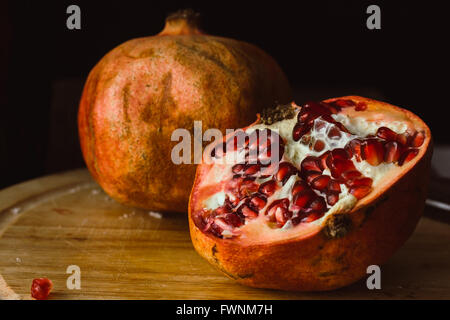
[245,197]
[313,191]
[258,146]
[313,110]
[40,288]
[386,146]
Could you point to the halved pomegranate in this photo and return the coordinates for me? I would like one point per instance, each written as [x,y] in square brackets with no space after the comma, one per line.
[318,217]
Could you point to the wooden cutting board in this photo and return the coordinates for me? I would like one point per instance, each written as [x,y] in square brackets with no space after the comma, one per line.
[50,223]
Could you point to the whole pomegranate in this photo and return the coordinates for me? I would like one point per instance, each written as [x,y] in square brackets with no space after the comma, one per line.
[144,89]
[345,189]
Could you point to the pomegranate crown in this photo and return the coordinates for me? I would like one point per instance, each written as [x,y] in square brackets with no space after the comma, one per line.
[182,22]
[278,113]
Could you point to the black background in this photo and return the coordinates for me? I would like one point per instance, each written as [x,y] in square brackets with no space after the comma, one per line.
[324,48]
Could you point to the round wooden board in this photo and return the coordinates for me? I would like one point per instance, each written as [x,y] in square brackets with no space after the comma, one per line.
[52,222]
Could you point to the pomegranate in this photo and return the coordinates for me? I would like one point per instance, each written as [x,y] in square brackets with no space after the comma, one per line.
[317,218]
[144,89]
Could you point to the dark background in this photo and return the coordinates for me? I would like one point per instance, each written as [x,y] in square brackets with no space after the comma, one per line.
[324,48]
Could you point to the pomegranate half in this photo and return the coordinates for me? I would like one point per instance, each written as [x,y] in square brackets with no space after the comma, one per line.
[144,89]
[345,191]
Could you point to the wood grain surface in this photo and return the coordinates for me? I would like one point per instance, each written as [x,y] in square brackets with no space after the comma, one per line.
[50,223]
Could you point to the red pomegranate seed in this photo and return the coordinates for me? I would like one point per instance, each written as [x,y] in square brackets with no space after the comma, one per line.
[352,174]
[318,205]
[268,188]
[339,166]
[407,156]
[258,202]
[392,151]
[323,160]
[361,106]
[40,288]
[312,216]
[340,153]
[233,220]
[220,224]
[360,191]
[251,169]
[317,107]
[248,187]
[223,209]
[285,171]
[309,117]
[386,134]
[216,227]
[418,139]
[344,103]
[321,182]
[332,107]
[299,130]
[367,182]
[332,198]
[303,114]
[299,186]
[334,186]
[312,110]
[228,201]
[328,118]
[234,184]
[354,148]
[282,215]
[402,139]
[232,202]
[296,220]
[311,163]
[237,168]
[275,204]
[303,198]
[319,145]
[311,175]
[247,211]
[372,151]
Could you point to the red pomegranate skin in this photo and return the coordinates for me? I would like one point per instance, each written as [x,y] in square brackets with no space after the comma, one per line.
[145,88]
[376,227]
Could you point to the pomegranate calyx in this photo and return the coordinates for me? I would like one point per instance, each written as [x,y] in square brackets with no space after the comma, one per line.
[280,112]
[182,22]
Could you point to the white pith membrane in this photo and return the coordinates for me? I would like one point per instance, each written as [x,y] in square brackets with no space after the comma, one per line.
[361,124]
